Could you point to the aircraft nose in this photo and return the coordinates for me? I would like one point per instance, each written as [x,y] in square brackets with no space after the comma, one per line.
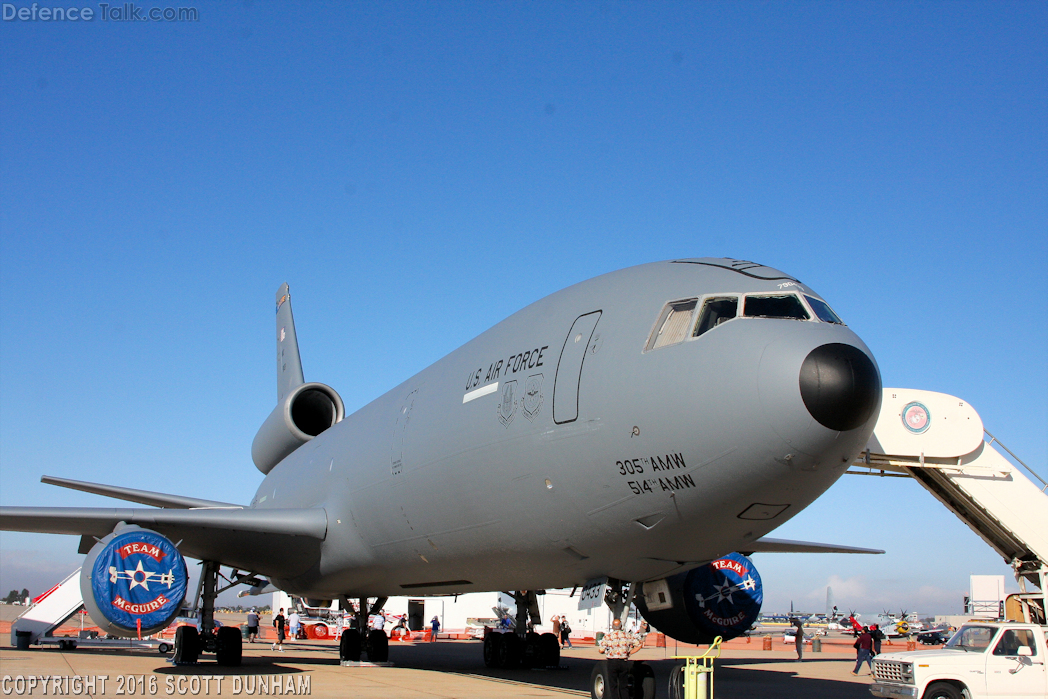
[840,386]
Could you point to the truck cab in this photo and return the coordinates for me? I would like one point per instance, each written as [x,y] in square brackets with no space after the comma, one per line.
[982,660]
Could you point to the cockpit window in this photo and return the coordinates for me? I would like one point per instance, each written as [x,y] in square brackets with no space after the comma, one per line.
[716,311]
[775,306]
[673,325]
[823,312]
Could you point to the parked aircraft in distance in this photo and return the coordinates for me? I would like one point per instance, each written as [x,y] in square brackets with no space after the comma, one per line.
[637,434]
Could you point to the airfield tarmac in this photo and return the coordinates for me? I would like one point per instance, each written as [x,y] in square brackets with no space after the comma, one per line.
[452,669]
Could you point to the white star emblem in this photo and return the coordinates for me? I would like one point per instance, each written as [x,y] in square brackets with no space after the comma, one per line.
[135,574]
[724,591]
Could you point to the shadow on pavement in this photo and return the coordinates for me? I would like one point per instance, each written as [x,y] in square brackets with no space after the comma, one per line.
[731,680]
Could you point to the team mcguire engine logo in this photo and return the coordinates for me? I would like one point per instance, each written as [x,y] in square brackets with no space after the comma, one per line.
[139,580]
[725,595]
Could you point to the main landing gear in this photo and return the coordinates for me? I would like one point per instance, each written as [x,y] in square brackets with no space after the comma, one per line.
[373,642]
[522,647]
[225,641]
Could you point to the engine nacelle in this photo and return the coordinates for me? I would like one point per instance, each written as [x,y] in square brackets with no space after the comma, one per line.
[304,413]
[133,581]
[722,598]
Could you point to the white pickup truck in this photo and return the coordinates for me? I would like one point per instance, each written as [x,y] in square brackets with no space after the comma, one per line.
[980,661]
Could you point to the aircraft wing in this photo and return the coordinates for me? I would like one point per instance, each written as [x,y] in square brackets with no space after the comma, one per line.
[143,497]
[766,545]
[273,542]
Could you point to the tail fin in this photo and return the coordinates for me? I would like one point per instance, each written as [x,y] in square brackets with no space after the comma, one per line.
[289,362]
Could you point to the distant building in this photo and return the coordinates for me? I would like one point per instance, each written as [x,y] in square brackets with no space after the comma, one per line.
[459,613]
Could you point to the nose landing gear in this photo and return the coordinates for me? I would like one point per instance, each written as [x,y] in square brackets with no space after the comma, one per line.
[360,640]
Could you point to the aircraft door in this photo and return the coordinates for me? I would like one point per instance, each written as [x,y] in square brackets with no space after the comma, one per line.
[416,614]
[569,368]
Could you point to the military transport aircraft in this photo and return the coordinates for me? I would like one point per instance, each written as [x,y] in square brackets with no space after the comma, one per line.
[641,432]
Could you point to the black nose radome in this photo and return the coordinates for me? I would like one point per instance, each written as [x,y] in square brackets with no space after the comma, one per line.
[840,386]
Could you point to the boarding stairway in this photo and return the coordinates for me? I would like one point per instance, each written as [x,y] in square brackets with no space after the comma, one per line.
[938,440]
[52,609]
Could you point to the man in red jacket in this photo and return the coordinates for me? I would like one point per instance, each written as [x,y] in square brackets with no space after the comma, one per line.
[864,646]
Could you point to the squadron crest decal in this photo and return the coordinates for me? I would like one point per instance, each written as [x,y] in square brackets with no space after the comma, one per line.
[916,417]
[532,396]
[508,405]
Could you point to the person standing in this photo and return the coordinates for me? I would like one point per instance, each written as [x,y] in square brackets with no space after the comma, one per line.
[798,639]
[401,629]
[295,622]
[434,628]
[252,625]
[378,622]
[565,633]
[555,621]
[878,636]
[279,622]
[617,646]
[864,647]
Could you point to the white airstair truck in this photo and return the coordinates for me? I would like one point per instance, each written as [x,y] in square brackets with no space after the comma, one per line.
[939,441]
[55,607]
[52,609]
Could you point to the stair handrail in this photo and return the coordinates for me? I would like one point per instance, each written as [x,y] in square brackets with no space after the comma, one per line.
[1024,464]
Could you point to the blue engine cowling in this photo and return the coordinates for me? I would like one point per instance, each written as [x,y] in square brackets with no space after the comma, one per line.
[133,581]
[722,598]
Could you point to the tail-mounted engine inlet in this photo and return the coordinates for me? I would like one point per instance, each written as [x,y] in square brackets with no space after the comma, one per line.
[305,412]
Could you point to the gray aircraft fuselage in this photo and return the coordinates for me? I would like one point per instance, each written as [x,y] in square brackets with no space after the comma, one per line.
[559,446]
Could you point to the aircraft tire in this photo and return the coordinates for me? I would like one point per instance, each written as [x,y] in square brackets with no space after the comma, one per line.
[492,641]
[599,680]
[942,690]
[531,651]
[378,647]
[349,646]
[549,650]
[509,651]
[228,646]
[187,645]
[643,681]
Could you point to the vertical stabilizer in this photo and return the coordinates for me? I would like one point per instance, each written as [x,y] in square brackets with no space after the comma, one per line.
[289,363]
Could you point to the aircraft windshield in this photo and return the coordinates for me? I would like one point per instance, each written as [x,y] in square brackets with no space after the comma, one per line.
[775,306]
[673,324]
[823,312]
[714,312]
[975,639]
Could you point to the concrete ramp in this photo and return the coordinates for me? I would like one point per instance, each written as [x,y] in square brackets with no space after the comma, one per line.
[51,610]
[939,441]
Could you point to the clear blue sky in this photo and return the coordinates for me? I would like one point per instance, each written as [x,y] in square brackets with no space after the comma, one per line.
[451,163]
